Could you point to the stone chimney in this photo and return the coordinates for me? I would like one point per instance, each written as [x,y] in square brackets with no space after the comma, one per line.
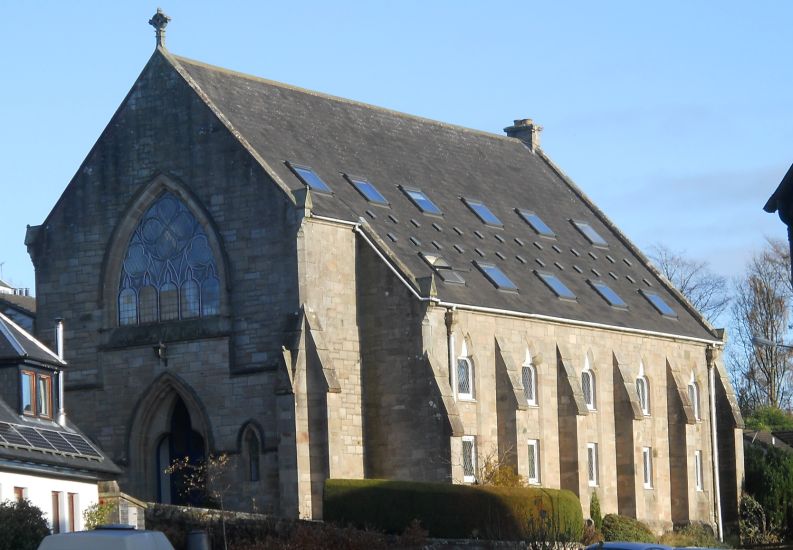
[525,130]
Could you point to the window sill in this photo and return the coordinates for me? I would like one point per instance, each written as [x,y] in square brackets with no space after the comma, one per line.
[466,398]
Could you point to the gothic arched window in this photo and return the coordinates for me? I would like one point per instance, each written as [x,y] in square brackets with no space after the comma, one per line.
[169,271]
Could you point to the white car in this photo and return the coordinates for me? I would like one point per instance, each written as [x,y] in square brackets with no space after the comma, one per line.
[107,537]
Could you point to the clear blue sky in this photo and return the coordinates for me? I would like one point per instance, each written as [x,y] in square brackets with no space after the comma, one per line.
[676,117]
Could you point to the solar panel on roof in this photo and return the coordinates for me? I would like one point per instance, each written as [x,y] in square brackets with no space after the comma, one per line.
[79,442]
[35,438]
[12,436]
[56,440]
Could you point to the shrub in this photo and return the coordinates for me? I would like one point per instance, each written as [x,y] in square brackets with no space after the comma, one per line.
[753,526]
[769,479]
[454,511]
[97,514]
[616,527]
[22,525]
[594,512]
[698,535]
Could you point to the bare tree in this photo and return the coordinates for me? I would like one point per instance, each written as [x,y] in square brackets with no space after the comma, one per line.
[762,373]
[706,290]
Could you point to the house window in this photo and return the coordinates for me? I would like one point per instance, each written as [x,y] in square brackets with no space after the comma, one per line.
[533,475]
[74,509]
[169,271]
[647,467]
[698,470]
[56,511]
[592,463]
[469,458]
[588,386]
[36,393]
[20,493]
[529,380]
[693,395]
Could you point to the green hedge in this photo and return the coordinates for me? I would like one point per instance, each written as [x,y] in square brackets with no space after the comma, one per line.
[617,527]
[454,511]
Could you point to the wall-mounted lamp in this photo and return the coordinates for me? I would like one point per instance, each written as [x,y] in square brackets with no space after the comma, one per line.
[161,351]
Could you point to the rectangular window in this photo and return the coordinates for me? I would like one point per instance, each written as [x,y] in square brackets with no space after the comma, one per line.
[592,463]
[311,179]
[469,458]
[608,294]
[368,190]
[20,493]
[556,285]
[698,470]
[56,512]
[483,212]
[536,223]
[422,201]
[533,474]
[36,394]
[496,276]
[647,467]
[74,512]
[44,395]
[659,304]
[28,393]
[465,378]
[589,232]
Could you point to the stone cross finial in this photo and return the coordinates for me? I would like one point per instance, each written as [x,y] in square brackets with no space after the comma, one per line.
[159,21]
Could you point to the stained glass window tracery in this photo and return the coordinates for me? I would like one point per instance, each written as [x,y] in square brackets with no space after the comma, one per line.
[169,271]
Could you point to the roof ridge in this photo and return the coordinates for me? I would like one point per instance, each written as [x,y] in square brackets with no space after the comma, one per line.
[340,99]
[25,334]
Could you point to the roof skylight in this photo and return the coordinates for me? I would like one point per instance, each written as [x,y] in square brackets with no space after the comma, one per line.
[446,272]
[608,294]
[368,190]
[556,284]
[536,223]
[658,303]
[422,201]
[483,212]
[589,232]
[310,178]
[496,276]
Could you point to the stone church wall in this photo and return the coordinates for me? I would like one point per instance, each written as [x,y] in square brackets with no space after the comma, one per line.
[228,360]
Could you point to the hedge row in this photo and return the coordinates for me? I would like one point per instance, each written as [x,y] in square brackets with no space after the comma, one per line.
[454,511]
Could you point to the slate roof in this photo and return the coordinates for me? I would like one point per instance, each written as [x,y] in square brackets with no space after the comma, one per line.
[28,443]
[16,345]
[23,304]
[335,136]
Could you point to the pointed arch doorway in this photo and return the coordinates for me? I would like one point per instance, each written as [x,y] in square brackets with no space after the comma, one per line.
[182,441]
[168,422]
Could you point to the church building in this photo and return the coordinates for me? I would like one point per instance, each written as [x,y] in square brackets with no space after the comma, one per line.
[326,289]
